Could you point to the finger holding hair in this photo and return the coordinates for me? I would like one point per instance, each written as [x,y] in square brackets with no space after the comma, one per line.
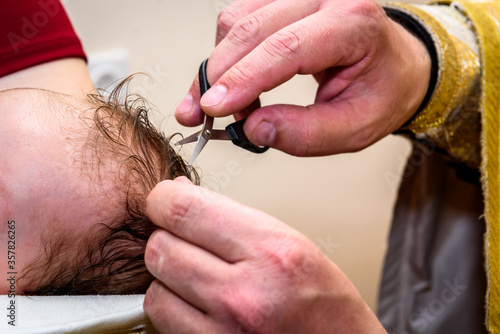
[206,219]
[187,270]
[169,313]
[222,267]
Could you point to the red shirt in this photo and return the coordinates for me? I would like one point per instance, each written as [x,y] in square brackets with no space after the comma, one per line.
[33,32]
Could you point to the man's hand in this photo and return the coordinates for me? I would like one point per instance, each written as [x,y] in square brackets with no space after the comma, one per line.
[373,74]
[222,267]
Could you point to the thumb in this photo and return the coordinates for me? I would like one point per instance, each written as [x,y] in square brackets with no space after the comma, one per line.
[315,130]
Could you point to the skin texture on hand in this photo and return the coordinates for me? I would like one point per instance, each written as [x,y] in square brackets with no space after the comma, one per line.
[222,267]
[372,73]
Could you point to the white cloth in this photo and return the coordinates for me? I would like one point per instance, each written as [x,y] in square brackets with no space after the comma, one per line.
[75,314]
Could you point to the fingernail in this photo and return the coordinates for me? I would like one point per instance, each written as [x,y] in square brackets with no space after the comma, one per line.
[155,285]
[264,134]
[214,95]
[186,105]
[153,291]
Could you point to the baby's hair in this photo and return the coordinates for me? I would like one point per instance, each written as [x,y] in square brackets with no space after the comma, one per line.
[113,261]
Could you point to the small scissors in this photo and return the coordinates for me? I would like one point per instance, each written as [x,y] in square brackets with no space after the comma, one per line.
[233,131]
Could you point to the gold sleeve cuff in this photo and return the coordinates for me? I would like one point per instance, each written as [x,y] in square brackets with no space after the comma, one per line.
[451,118]
[460,96]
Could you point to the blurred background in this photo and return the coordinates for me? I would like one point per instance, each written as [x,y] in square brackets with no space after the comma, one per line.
[342,203]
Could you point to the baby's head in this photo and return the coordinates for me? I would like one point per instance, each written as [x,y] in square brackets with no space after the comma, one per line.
[74,176]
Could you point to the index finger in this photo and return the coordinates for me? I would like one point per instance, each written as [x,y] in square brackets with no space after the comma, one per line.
[242,26]
[307,46]
[206,219]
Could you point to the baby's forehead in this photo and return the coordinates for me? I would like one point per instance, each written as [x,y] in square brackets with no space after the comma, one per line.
[42,110]
[37,98]
[28,95]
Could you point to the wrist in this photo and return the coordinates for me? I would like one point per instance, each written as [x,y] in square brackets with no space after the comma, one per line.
[421,45]
[450,119]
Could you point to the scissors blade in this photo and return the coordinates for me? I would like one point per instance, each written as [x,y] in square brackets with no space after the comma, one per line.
[189,139]
[219,135]
[200,144]
[206,132]
[203,138]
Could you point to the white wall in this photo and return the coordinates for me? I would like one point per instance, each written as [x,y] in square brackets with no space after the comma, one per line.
[343,203]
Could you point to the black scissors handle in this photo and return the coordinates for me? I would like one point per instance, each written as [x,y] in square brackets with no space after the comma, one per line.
[238,137]
[202,77]
[234,130]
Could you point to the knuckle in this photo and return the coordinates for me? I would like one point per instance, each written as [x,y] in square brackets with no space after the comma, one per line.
[151,252]
[367,8]
[286,256]
[372,15]
[239,75]
[369,17]
[179,210]
[364,126]
[227,18]
[365,137]
[311,137]
[245,30]
[285,44]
